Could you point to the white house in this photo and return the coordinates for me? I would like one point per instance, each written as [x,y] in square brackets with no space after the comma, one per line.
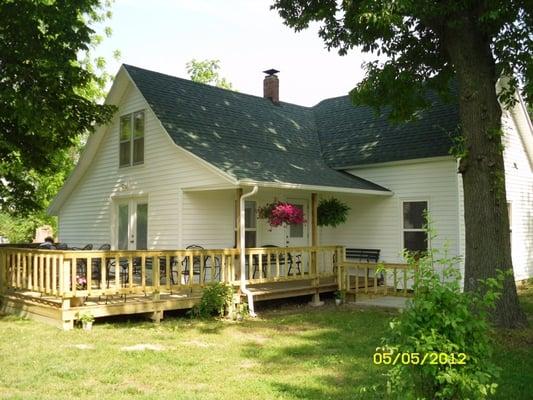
[167,171]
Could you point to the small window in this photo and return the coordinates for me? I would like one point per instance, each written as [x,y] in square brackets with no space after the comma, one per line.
[297,230]
[250,224]
[415,237]
[131,139]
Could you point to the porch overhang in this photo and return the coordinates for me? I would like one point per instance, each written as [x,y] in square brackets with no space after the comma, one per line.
[288,185]
[316,188]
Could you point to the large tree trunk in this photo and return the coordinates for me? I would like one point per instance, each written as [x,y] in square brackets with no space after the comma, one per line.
[486,218]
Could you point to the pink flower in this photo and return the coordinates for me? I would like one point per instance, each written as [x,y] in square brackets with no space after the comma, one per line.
[81,282]
[279,213]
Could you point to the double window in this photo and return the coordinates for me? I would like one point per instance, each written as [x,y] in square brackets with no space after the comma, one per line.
[415,237]
[131,139]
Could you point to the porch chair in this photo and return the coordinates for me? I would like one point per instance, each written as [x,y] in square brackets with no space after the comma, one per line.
[81,265]
[266,262]
[196,261]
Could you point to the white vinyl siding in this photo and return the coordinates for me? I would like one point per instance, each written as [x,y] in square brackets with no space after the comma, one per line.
[87,214]
[375,222]
[519,189]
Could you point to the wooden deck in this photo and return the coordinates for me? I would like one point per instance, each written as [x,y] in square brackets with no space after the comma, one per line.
[48,285]
[57,312]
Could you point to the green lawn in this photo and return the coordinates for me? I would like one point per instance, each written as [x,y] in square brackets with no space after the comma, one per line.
[295,352]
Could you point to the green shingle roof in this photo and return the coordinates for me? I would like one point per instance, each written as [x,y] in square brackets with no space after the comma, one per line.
[356,135]
[249,137]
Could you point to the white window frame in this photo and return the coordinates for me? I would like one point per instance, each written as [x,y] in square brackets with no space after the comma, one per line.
[245,228]
[131,140]
[255,215]
[402,229]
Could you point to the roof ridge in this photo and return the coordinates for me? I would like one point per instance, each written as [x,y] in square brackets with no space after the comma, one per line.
[127,66]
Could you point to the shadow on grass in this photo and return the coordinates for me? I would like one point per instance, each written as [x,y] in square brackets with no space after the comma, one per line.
[328,355]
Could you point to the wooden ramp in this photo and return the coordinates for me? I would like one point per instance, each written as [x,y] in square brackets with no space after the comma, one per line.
[390,302]
[280,290]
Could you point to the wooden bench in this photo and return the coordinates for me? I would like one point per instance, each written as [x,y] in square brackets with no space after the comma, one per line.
[365,255]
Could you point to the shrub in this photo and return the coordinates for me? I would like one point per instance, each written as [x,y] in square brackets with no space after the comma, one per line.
[216,300]
[443,319]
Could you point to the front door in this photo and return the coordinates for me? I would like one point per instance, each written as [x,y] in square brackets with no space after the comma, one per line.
[298,236]
[132,224]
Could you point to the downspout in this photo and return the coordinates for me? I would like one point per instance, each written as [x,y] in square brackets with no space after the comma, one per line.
[242,252]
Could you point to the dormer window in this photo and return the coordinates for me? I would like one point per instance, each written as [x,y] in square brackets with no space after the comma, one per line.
[131,139]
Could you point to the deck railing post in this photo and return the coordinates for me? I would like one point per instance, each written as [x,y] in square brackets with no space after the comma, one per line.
[64,275]
[155,273]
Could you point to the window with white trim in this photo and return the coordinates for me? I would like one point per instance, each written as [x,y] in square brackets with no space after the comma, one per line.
[131,150]
[250,224]
[415,237]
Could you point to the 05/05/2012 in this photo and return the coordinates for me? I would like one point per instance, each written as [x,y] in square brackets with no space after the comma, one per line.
[432,358]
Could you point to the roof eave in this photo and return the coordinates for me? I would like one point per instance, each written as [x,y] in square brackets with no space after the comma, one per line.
[316,188]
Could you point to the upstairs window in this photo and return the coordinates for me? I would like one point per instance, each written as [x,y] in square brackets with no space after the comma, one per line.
[131,139]
[415,237]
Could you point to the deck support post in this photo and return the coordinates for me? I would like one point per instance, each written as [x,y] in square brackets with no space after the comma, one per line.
[316,302]
[157,315]
[67,324]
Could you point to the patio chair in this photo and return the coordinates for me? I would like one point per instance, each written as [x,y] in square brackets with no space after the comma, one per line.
[97,264]
[81,264]
[196,261]
[265,261]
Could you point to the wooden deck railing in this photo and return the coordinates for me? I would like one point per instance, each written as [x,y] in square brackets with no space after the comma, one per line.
[375,278]
[83,273]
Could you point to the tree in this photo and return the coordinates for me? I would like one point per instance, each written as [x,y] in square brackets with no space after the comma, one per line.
[206,71]
[47,94]
[426,44]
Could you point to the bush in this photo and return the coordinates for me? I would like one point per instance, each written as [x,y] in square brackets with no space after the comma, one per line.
[216,301]
[443,319]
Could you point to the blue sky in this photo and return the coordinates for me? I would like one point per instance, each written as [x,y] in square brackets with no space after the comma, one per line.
[244,35]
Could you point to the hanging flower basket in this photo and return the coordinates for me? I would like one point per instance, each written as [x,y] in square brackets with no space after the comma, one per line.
[332,212]
[279,213]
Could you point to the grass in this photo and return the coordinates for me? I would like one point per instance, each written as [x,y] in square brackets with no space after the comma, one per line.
[294,352]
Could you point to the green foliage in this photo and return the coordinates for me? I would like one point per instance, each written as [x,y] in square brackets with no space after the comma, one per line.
[22,229]
[206,71]
[458,50]
[340,295]
[216,300]
[411,41]
[86,317]
[47,94]
[441,318]
[332,212]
